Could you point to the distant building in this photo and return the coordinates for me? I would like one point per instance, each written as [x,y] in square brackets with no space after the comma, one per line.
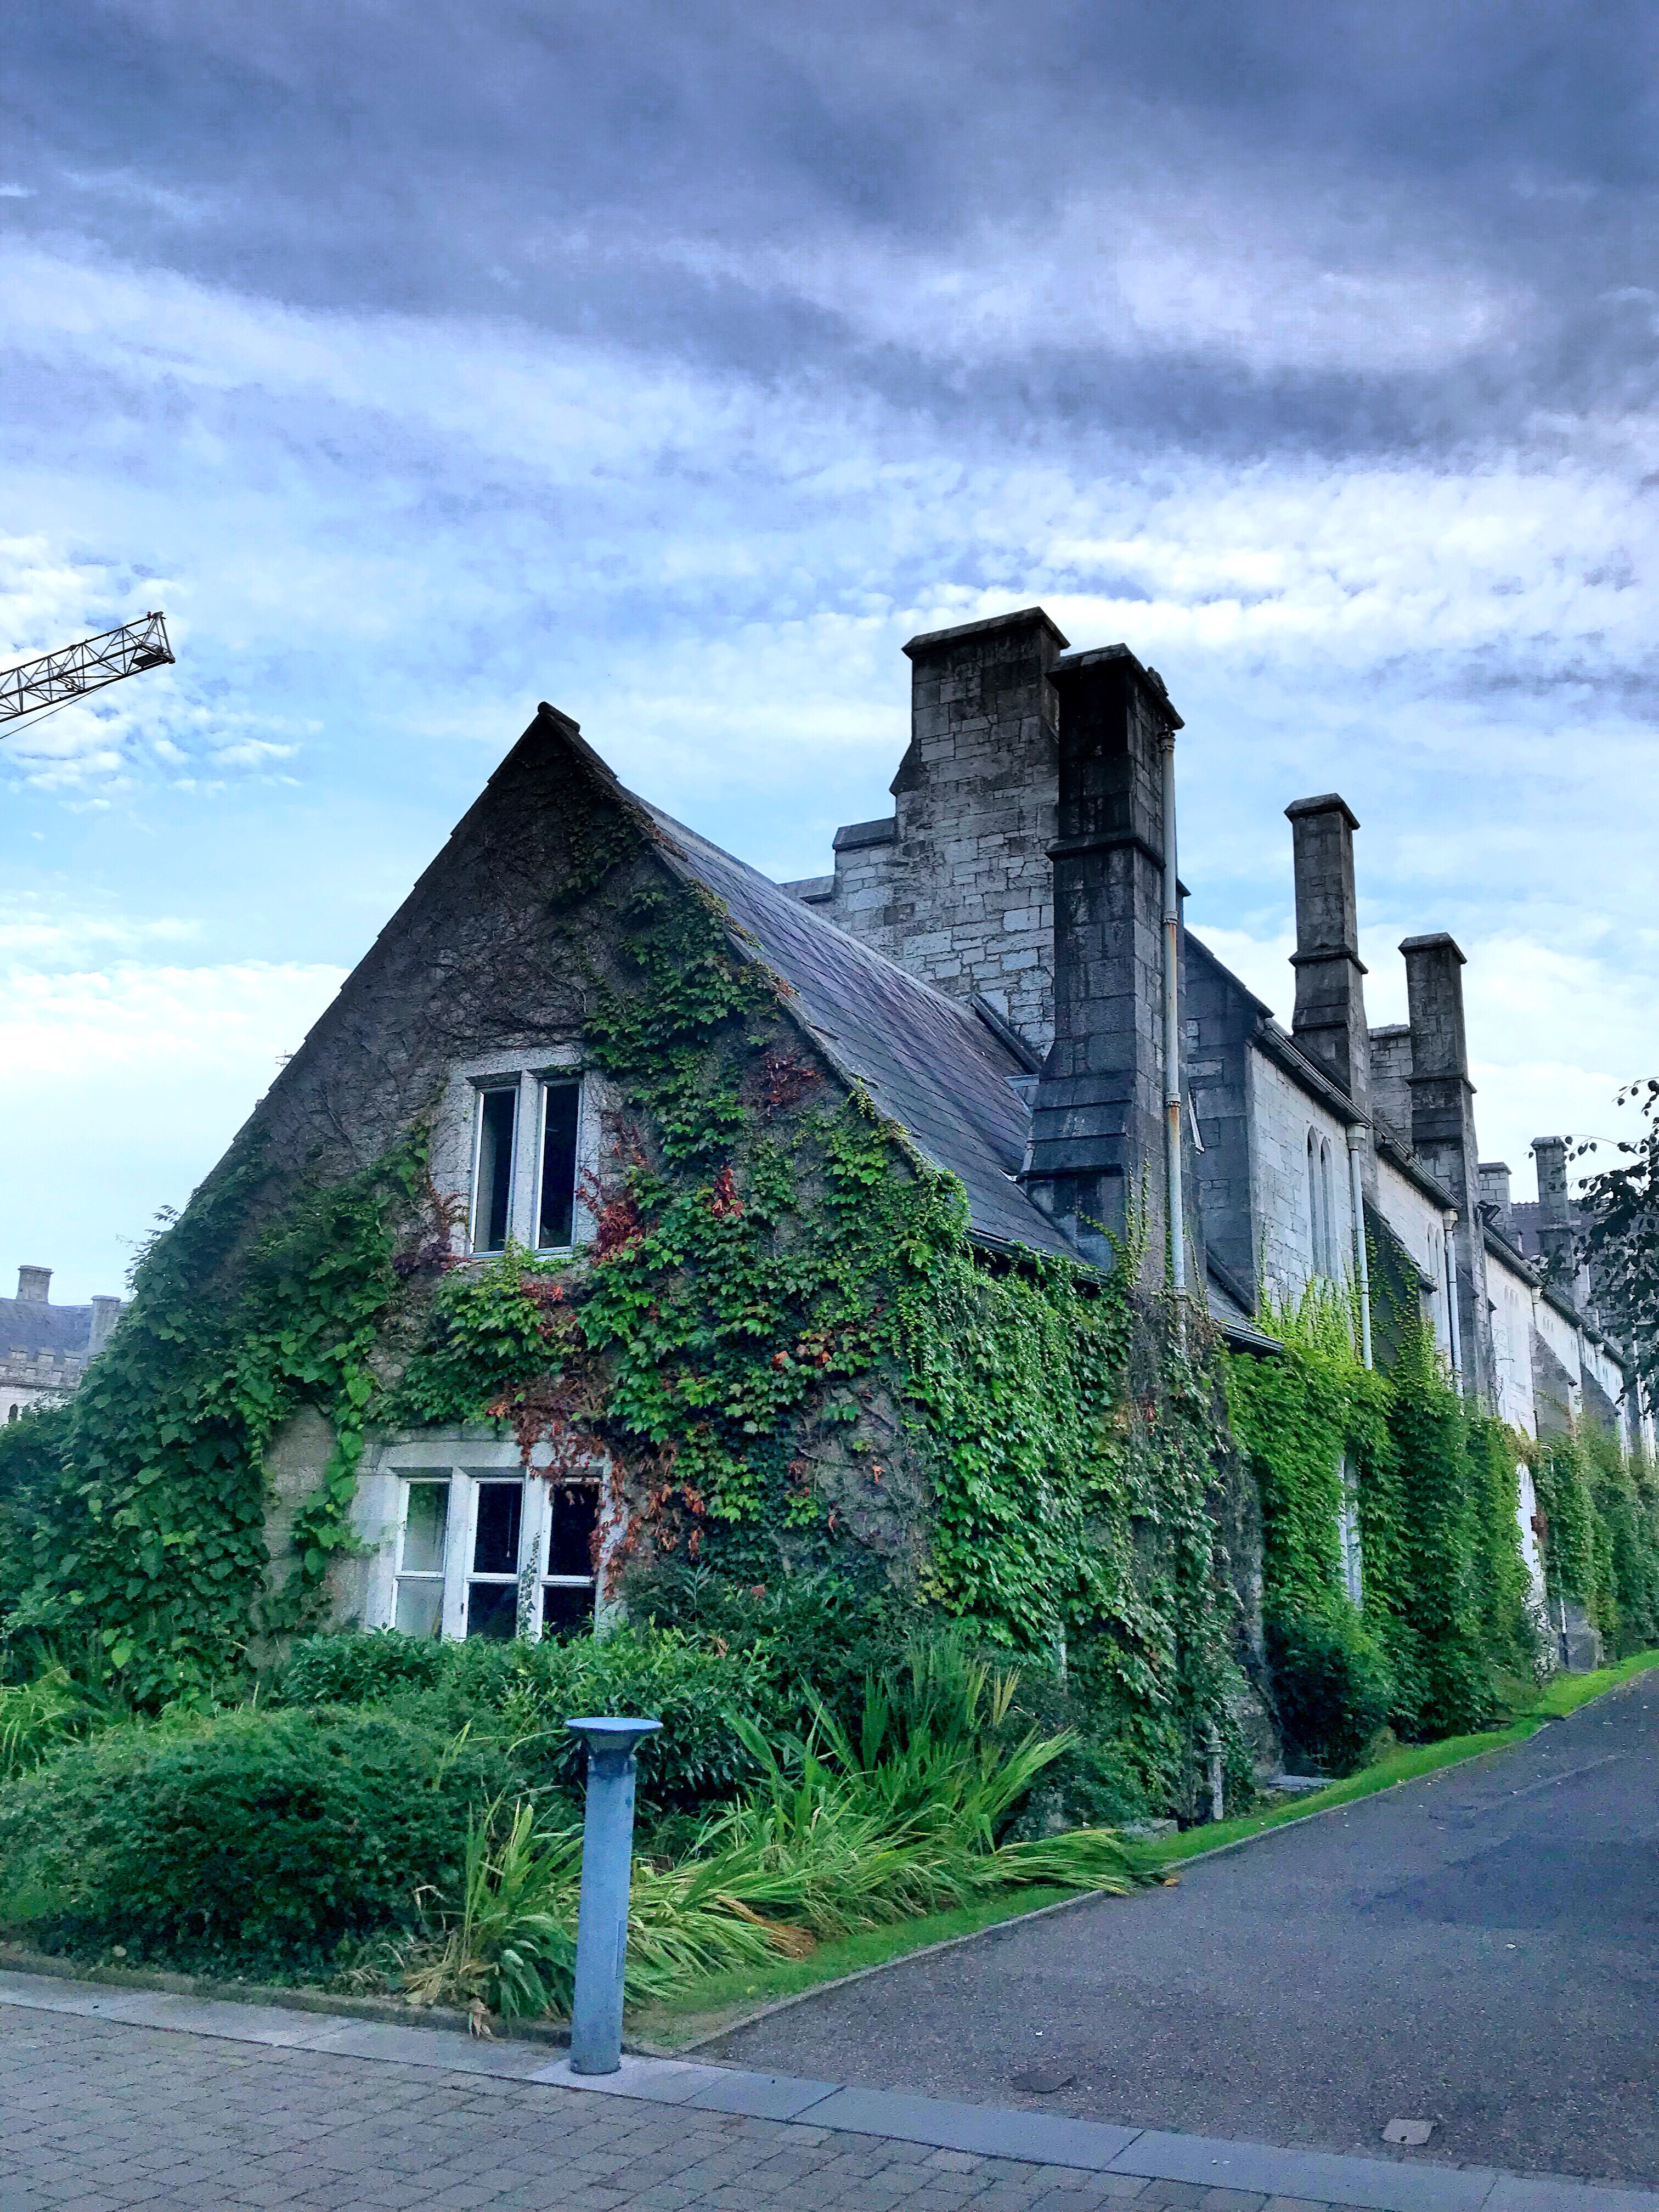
[43,1348]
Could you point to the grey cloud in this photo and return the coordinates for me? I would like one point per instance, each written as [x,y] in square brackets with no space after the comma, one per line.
[574,163]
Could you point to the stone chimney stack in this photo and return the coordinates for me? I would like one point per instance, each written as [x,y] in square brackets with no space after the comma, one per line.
[1495,1192]
[105,1312]
[1555,1211]
[1442,1130]
[34,1285]
[1329,1021]
[968,883]
[1097,1148]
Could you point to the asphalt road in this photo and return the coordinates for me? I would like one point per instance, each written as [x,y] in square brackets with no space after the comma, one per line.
[1480,1949]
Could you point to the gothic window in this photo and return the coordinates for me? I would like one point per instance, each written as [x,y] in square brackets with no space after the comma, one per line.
[1321,1216]
[1323,1234]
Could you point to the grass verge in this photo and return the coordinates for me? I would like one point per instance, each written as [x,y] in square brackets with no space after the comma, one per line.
[724,2001]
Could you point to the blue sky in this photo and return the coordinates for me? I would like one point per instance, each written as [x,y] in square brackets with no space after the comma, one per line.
[675,365]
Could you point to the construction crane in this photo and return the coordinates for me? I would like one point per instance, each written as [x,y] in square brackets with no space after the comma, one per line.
[43,685]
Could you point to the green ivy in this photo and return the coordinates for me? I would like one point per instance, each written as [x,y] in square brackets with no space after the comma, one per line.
[1445,1583]
[776,1260]
[152,1552]
[781,1329]
[1601,1512]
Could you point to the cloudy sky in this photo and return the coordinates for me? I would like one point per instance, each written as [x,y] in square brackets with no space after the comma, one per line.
[675,364]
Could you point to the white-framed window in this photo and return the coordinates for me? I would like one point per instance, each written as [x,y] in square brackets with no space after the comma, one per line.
[557,1165]
[530,1136]
[487,1549]
[494,1155]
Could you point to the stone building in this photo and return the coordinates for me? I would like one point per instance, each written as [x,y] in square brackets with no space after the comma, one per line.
[1002,967]
[43,1348]
[1331,1150]
[1309,1150]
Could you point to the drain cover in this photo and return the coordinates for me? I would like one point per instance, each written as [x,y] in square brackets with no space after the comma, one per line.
[1042,2081]
[1413,2134]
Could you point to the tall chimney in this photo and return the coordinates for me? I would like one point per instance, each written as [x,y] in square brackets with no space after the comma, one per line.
[1442,1130]
[105,1312]
[1098,1140]
[1555,1211]
[34,1285]
[1329,1021]
[1495,1192]
[968,883]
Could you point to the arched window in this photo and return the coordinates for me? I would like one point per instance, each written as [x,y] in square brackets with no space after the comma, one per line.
[1324,1235]
[1316,1234]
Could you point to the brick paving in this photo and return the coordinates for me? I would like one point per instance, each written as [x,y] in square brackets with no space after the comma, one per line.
[105,2116]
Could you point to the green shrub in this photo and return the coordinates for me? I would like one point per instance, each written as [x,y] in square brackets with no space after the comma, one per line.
[357,1669]
[522,1694]
[806,1637]
[1333,1687]
[256,1842]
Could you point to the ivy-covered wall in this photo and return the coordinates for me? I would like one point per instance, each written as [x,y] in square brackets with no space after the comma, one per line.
[782,1334]
[1447,1596]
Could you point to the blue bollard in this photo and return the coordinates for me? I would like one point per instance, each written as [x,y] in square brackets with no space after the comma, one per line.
[596,2016]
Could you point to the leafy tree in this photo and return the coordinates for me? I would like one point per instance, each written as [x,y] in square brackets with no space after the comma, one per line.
[1619,1217]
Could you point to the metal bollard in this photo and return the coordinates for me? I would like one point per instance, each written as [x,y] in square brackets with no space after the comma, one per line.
[607,1873]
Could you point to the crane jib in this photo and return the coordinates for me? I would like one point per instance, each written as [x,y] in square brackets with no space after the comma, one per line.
[55,678]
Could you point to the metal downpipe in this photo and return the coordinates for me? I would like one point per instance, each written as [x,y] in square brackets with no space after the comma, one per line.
[1453,1326]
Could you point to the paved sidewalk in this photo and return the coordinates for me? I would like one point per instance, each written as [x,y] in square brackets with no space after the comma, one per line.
[115,2101]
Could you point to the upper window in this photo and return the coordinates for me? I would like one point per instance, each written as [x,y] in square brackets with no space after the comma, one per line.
[555,1193]
[525,1161]
[492,1175]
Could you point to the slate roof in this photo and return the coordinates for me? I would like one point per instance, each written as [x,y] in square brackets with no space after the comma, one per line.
[927,1061]
[32,1326]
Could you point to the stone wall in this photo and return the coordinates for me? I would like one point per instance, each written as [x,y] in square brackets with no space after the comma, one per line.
[1510,1295]
[1281,1113]
[1391,1074]
[1219,1018]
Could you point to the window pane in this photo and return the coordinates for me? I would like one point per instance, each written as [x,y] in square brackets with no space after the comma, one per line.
[426,1523]
[575,1518]
[492,1201]
[492,1610]
[564,1610]
[560,1104]
[420,1608]
[495,1544]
